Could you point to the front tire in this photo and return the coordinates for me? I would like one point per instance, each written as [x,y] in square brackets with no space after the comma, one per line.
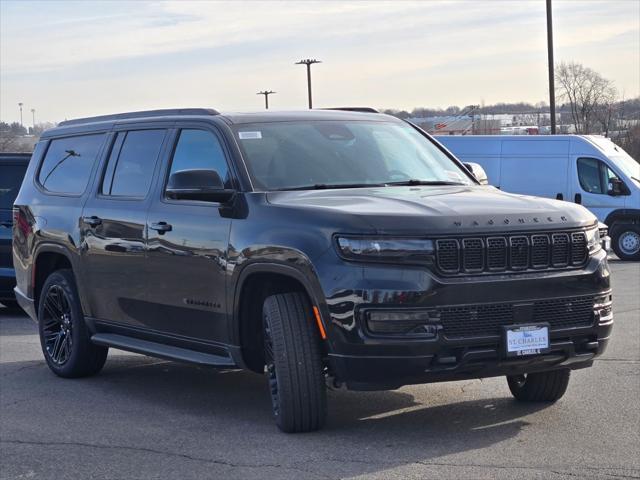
[64,336]
[294,363]
[539,387]
[625,241]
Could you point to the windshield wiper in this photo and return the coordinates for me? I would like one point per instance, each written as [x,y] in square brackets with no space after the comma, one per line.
[414,182]
[328,186]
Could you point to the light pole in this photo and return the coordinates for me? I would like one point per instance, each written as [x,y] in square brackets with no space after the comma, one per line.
[33,116]
[266,94]
[308,62]
[552,88]
[20,105]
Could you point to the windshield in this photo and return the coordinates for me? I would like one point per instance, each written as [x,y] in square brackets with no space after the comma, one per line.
[627,164]
[334,154]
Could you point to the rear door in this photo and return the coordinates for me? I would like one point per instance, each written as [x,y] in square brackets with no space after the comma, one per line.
[113,226]
[188,243]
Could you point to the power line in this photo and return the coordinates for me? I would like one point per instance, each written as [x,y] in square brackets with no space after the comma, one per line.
[308,62]
[266,94]
[552,88]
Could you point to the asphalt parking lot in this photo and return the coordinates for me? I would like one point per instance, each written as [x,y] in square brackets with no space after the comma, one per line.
[148,418]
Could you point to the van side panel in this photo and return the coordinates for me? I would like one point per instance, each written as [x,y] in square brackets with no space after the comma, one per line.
[539,176]
[478,149]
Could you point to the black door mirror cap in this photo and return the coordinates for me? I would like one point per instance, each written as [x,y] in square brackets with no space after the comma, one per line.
[203,185]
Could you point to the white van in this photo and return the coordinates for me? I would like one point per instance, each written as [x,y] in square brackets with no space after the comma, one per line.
[586,169]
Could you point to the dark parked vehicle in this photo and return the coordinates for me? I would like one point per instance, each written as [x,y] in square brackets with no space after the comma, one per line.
[318,246]
[12,169]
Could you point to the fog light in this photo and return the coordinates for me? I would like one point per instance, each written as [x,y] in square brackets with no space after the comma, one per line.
[412,323]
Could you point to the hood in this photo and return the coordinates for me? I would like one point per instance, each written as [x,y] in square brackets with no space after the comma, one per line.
[441,209]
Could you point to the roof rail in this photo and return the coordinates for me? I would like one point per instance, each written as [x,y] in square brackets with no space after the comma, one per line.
[354,109]
[168,112]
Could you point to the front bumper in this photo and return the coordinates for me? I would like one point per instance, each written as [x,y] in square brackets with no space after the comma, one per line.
[366,361]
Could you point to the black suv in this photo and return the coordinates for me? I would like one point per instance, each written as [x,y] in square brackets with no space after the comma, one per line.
[12,169]
[339,247]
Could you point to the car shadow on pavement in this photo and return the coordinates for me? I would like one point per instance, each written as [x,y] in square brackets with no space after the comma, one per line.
[185,408]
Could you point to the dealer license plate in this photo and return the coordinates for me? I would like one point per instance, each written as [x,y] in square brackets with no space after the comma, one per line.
[523,340]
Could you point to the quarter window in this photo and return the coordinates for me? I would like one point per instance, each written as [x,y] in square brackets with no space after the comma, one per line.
[66,167]
[133,158]
[200,150]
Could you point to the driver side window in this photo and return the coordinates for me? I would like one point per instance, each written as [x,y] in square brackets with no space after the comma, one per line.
[589,175]
[595,176]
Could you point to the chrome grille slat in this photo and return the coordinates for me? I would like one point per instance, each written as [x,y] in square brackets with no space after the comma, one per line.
[516,252]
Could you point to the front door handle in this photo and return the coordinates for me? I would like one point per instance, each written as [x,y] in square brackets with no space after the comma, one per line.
[578,198]
[6,224]
[161,227]
[92,221]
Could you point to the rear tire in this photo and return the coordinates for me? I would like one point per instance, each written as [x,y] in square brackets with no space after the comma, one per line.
[64,336]
[625,240]
[539,387]
[294,363]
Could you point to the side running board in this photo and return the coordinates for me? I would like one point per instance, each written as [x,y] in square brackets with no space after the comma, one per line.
[160,350]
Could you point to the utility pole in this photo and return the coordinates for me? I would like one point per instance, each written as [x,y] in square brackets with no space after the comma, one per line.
[20,105]
[552,88]
[308,62]
[33,115]
[266,94]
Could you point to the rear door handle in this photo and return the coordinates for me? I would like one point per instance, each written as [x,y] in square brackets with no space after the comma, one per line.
[578,198]
[92,221]
[161,227]
[6,224]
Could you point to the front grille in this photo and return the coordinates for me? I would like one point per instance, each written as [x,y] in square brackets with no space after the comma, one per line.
[488,319]
[448,257]
[511,252]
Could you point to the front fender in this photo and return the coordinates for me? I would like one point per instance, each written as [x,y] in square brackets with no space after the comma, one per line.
[276,260]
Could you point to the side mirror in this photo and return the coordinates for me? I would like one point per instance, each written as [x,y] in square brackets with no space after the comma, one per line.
[203,185]
[478,172]
[616,187]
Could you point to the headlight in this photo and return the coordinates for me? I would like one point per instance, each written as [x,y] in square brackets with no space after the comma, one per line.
[384,249]
[593,240]
[605,239]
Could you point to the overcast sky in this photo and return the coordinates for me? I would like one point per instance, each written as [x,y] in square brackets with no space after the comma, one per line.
[78,58]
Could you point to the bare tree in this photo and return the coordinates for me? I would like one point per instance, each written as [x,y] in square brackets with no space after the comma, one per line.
[587,93]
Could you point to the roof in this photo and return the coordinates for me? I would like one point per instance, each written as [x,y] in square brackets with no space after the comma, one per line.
[298,115]
[107,121]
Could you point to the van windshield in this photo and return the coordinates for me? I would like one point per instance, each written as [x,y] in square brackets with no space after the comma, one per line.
[339,154]
[627,164]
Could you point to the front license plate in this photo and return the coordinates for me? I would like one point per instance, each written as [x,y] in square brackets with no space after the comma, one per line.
[521,340]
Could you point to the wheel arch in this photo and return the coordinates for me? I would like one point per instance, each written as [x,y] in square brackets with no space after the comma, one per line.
[259,280]
[623,215]
[48,258]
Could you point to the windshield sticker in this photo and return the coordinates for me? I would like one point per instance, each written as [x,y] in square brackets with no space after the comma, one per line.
[249,135]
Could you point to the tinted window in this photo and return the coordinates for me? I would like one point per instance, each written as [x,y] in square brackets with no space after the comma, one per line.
[589,175]
[200,150]
[133,158]
[67,165]
[10,180]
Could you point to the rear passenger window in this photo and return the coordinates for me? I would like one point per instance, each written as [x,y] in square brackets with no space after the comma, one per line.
[200,150]
[131,163]
[66,167]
